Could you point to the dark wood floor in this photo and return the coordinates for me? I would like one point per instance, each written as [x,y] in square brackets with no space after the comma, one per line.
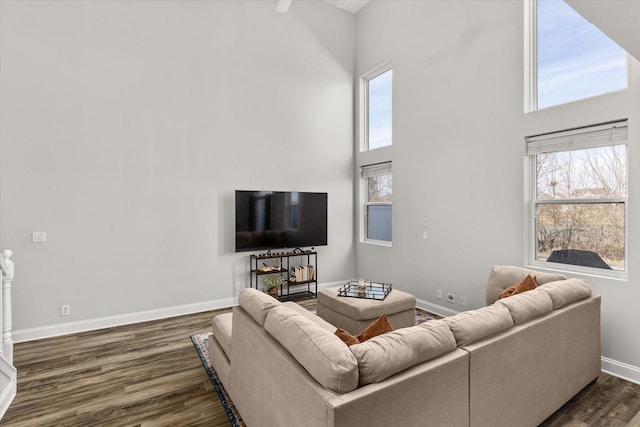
[148,374]
[610,402]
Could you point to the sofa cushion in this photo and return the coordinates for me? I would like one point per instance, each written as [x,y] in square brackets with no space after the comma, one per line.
[326,358]
[473,325]
[309,315]
[527,305]
[566,291]
[393,352]
[501,277]
[526,284]
[221,329]
[257,304]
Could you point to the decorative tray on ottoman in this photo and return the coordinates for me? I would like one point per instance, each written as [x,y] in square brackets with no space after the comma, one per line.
[371,290]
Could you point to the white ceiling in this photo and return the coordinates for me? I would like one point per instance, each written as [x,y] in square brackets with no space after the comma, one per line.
[620,20]
[352,6]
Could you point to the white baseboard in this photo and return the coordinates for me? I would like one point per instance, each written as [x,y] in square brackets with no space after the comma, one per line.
[621,370]
[6,397]
[435,308]
[8,384]
[50,331]
[332,284]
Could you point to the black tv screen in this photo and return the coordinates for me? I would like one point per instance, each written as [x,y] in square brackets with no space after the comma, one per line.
[280,219]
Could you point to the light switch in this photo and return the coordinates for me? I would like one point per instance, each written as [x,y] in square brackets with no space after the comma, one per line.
[39,237]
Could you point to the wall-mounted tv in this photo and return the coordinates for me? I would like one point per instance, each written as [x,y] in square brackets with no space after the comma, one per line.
[280,219]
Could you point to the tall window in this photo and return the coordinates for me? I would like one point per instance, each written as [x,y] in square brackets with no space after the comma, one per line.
[580,196]
[378,207]
[378,109]
[574,60]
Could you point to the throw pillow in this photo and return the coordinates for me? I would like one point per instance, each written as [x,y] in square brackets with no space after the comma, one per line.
[346,337]
[526,284]
[379,326]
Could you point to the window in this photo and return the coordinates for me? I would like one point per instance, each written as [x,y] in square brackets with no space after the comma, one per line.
[571,58]
[378,206]
[378,93]
[579,197]
[375,155]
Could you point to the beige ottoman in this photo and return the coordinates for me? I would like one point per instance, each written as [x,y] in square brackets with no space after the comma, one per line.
[355,314]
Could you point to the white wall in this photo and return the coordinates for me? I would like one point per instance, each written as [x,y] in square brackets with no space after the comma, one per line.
[619,22]
[126,127]
[458,155]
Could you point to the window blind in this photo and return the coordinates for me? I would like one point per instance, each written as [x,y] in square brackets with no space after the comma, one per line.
[575,139]
[375,170]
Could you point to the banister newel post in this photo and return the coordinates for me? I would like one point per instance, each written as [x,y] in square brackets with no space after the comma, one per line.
[5,315]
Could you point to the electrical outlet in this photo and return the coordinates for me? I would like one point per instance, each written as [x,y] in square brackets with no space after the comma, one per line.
[425,222]
[463,300]
[451,298]
[39,237]
[65,310]
[439,294]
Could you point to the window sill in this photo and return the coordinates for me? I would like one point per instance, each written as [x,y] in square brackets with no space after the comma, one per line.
[574,270]
[377,242]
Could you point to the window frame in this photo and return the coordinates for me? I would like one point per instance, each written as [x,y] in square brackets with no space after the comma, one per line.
[364,106]
[534,201]
[378,169]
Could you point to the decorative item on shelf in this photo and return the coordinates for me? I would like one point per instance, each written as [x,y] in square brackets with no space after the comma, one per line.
[268,268]
[272,282]
[362,287]
[303,273]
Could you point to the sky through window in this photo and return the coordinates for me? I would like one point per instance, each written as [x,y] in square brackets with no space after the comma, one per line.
[575,59]
[379,92]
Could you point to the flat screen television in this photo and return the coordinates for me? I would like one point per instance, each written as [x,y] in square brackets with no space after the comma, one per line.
[280,219]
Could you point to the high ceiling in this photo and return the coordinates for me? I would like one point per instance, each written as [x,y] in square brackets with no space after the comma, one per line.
[620,20]
[352,6]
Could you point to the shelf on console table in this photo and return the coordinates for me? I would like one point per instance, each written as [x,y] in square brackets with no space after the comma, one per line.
[284,268]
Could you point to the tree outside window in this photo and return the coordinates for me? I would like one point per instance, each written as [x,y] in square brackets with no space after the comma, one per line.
[580,206]
[379,202]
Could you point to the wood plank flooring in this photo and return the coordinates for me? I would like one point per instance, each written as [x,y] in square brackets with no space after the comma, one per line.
[610,402]
[148,374]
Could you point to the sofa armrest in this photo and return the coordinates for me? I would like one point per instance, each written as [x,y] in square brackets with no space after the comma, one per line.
[431,393]
[521,376]
[264,377]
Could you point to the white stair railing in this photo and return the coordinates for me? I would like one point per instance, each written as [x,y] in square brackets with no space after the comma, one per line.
[7,324]
[8,373]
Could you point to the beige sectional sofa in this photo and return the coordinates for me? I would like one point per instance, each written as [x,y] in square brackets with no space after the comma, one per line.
[513,362]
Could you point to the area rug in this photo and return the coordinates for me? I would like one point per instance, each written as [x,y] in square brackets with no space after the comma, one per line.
[200,342]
